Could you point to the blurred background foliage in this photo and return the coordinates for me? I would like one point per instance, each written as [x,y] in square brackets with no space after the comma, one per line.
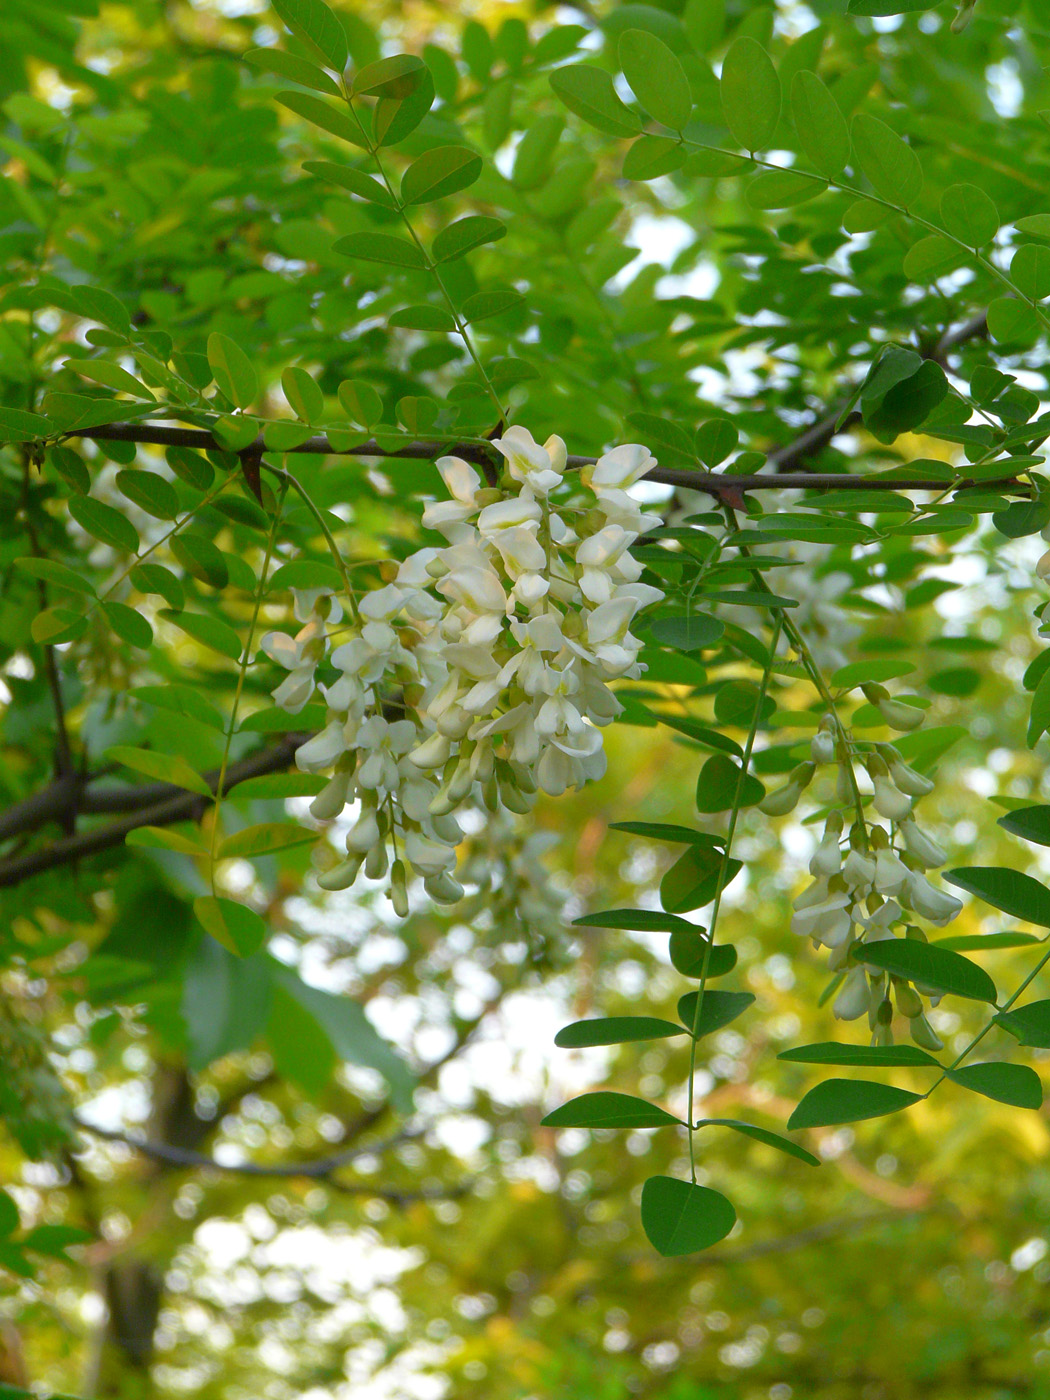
[462,1249]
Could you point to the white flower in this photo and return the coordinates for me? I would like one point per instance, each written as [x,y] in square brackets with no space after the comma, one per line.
[858,870]
[827,858]
[890,872]
[822,747]
[888,802]
[597,558]
[854,998]
[323,750]
[332,798]
[923,847]
[619,468]
[539,468]
[905,778]
[463,482]
[828,922]
[936,905]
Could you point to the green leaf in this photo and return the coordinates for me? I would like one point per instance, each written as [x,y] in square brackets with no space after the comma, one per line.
[848,1101]
[56,574]
[909,403]
[750,91]
[234,433]
[149,492]
[783,189]
[1039,224]
[614,1030]
[1011,320]
[295,69]
[1018,1085]
[263,839]
[882,8]
[209,631]
[301,1047]
[233,371]
[889,163]
[56,625]
[1009,890]
[656,77]
[1021,518]
[830,1052]
[482,305]
[441,171]
[361,402]
[111,375]
[667,831]
[532,159]
[690,633]
[237,928]
[182,700]
[718,1009]
[1030,1024]
[688,950]
[54,1240]
[350,1033]
[334,120]
[317,25]
[162,767]
[820,124]
[932,258]
[104,523]
[715,440]
[164,838]
[10,1220]
[693,880]
[636,920]
[398,77]
[191,467]
[719,782]
[680,1218]
[155,578]
[1030,823]
[589,92]
[200,558]
[605,1109]
[305,573]
[464,236]
[356,181]
[381,248]
[303,393]
[962,942]
[782,1144]
[1030,271]
[67,464]
[395,118]
[18,425]
[865,672]
[930,966]
[969,215]
[649,157]
[423,318]
[129,625]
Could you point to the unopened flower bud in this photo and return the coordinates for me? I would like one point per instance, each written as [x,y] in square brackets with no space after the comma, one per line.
[399,889]
[785,799]
[822,746]
[924,1035]
[376,862]
[909,1003]
[896,713]
[905,778]
[443,888]
[1042,568]
[921,846]
[341,876]
[884,1014]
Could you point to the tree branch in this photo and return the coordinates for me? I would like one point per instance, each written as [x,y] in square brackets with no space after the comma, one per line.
[155,804]
[321,1169]
[714,483]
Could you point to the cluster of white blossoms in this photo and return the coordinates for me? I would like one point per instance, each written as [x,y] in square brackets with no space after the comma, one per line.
[481,672]
[871,881]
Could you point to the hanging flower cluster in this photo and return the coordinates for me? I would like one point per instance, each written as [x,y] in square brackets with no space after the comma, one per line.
[481,673]
[871,881]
